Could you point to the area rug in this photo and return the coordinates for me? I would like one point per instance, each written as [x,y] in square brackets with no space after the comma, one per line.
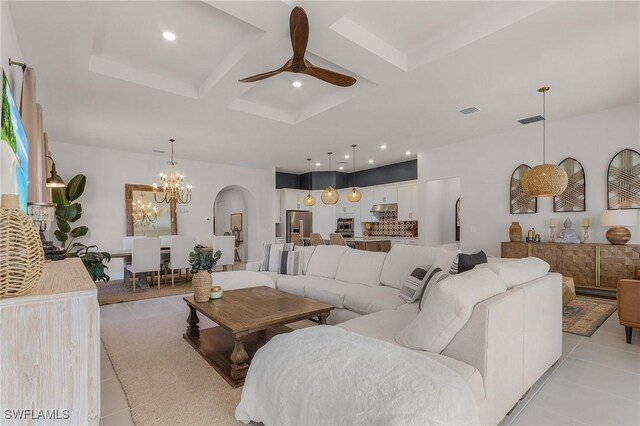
[115,291]
[584,317]
[165,380]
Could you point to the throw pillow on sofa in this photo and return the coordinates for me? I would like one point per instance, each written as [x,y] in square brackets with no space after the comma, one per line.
[466,262]
[518,271]
[434,278]
[290,262]
[447,308]
[271,256]
[415,283]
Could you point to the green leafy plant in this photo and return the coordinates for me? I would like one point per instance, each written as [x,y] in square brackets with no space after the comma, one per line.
[92,259]
[201,259]
[68,211]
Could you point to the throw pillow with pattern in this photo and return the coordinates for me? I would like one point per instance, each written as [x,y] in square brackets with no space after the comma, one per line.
[271,257]
[414,283]
[436,275]
[291,262]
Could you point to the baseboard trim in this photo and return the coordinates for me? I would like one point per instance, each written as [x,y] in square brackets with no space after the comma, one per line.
[609,294]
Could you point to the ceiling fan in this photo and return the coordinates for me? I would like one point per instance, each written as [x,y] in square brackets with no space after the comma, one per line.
[299,29]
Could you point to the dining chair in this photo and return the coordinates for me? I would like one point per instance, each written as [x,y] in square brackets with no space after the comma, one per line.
[226,244]
[145,257]
[165,240]
[316,239]
[205,240]
[296,239]
[179,257]
[127,242]
[336,239]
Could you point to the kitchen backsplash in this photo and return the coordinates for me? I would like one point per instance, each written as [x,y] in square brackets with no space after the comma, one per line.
[389,226]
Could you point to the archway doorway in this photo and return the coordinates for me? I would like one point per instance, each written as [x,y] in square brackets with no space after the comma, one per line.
[232,215]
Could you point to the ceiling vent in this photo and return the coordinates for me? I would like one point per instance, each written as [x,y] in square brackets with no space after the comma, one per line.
[469,110]
[530,120]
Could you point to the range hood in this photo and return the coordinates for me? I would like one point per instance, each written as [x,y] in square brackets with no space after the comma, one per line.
[381,208]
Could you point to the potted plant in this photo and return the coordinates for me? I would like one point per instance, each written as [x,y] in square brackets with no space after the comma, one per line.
[202,262]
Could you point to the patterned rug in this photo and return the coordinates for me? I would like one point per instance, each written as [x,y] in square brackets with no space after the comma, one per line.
[584,317]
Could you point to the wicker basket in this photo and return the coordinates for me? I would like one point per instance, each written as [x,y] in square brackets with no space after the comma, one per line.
[202,286]
[21,253]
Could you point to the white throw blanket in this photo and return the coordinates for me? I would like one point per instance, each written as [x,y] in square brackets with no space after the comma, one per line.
[329,376]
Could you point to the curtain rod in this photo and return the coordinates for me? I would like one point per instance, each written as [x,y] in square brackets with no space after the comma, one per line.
[20,64]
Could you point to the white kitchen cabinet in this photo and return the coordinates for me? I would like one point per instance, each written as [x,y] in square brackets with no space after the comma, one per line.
[324,218]
[366,202]
[292,199]
[408,201]
[344,207]
[277,216]
[385,195]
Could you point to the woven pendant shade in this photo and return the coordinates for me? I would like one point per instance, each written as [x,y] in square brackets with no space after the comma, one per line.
[309,200]
[354,195]
[21,253]
[330,195]
[545,180]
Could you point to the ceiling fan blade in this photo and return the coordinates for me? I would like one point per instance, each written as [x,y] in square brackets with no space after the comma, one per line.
[329,76]
[299,31]
[261,76]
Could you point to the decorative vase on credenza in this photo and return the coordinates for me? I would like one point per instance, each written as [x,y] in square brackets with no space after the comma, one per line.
[21,253]
[515,232]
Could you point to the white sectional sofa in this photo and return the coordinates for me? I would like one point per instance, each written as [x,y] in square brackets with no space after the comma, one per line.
[356,282]
[508,343]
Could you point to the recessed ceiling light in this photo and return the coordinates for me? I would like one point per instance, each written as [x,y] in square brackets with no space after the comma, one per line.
[383,147]
[341,167]
[346,156]
[370,161]
[296,84]
[317,164]
[168,35]
[407,153]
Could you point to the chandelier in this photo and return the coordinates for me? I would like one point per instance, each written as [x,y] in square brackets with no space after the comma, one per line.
[172,187]
[143,214]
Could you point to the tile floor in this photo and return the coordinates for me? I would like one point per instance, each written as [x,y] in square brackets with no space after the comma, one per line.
[595,382]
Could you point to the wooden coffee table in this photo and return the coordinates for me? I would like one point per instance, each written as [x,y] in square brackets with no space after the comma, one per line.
[248,318]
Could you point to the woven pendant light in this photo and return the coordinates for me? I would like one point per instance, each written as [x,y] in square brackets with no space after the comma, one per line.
[330,195]
[354,195]
[21,253]
[544,180]
[309,200]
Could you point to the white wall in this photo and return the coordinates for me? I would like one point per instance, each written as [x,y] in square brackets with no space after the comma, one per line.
[108,171]
[9,48]
[228,201]
[484,166]
[441,197]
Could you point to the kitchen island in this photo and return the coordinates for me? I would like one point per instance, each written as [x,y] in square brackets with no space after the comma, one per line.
[370,243]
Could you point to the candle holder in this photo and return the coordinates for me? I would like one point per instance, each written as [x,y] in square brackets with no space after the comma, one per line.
[586,233]
[552,233]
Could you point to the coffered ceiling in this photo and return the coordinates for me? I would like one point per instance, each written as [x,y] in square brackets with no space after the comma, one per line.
[107,77]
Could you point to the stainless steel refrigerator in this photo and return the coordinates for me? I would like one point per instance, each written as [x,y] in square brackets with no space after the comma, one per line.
[299,221]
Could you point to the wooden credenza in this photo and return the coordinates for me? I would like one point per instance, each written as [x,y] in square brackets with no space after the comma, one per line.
[592,265]
[50,350]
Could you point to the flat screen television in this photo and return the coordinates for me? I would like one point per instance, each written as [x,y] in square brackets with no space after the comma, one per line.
[14,149]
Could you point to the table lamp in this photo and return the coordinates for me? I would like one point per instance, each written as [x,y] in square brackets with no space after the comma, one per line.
[618,220]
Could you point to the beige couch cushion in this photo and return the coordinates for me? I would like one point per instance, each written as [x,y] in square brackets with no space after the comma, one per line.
[328,291]
[324,261]
[447,308]
[385,324]
[365,300]
[402,260]
[361,267]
